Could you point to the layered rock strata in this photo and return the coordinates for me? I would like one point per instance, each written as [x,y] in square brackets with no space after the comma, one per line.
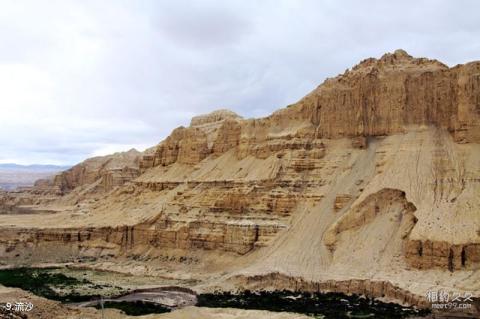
[114,169]
[372,177]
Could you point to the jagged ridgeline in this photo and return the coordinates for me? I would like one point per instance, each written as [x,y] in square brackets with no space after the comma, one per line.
[370,184]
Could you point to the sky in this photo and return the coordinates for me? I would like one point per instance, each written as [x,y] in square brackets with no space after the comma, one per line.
[86,78]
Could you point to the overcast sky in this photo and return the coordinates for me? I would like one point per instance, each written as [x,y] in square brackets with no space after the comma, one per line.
[82,78]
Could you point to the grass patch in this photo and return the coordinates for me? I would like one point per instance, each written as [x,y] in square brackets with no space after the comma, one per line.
[134,308]
[51,284]
[321,305]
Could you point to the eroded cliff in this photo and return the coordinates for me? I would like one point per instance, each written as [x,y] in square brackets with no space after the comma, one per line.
[374,176]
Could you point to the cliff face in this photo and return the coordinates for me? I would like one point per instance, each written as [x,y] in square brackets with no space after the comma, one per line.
[375,98]
[113,170]
[216,133]
[374,176]
[385,96]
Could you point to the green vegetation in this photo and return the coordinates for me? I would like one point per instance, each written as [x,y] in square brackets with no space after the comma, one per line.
[135,308]
[319,305]
[51,284]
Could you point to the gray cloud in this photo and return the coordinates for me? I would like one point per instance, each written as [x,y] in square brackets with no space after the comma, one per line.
[82,78]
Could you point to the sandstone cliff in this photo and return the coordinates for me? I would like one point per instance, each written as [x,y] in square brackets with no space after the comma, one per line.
[375,98]
[114,170]
[371,180]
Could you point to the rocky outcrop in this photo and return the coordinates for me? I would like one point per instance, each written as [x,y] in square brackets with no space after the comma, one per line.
[94,168]
[43,183]
[365,212]
[214,117]
[228,137]
[162,234]
[341,201]
[444,255]
[310,148]
[184,145]
[118,176]
[359,142]
[215,133]
[384,96]
[24,201]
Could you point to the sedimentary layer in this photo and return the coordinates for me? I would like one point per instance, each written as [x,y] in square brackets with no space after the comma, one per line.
[373,176]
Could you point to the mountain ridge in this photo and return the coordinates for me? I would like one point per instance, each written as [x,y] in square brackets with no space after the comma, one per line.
[369,185]
[34,166]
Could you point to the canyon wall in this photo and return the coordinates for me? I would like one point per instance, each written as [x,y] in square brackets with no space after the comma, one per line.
[373,177]
[114,169]
[385,96]
[73,244]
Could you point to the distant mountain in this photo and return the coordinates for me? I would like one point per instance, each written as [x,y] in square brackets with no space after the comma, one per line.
[15,175]
[33,167]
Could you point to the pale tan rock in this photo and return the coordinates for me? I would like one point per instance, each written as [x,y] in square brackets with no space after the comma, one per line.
[226,313]
[341,201]
[213,117]
[228,137]
[359,142]
[369,184]
[92,169]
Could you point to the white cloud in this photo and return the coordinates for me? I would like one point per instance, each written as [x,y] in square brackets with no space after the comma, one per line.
[23,88]
[88,77]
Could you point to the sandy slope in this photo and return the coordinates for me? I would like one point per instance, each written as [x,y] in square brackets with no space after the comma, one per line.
[225,313]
